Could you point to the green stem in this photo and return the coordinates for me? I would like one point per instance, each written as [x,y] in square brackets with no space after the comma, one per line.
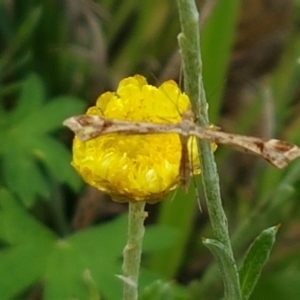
[189,42]
[133,250]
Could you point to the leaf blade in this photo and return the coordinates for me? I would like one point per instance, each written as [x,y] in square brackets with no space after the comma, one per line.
[256,257]
[227,267]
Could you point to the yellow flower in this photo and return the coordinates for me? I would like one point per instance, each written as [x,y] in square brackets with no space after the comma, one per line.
[135,167]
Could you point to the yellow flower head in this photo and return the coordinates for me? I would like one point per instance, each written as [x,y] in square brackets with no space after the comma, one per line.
[135,167]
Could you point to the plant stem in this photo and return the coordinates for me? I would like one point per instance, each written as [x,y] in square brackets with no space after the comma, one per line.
[133,249]
[189,42]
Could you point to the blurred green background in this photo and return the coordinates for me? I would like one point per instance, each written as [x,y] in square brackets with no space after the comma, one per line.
[62,240]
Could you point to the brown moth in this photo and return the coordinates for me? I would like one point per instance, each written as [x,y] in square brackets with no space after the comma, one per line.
[278,153]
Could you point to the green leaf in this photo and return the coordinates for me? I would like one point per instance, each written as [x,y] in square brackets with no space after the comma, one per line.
[22,264]
[16,226]
[153,242]
[50,116]
[22,175]
[57,160]
[35,253]
[31,98]
[96,250]
[227,267]
[64,272]
[164,290]
[26,142]
[256,257]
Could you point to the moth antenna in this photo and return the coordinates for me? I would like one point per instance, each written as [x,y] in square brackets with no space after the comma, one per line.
[174,195]
[193,177]
[197,195]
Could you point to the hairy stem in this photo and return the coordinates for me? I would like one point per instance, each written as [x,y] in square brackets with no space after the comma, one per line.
[133,250]
[189,43]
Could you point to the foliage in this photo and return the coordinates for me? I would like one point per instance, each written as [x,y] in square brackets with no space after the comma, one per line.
[37,254]
[25,130]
